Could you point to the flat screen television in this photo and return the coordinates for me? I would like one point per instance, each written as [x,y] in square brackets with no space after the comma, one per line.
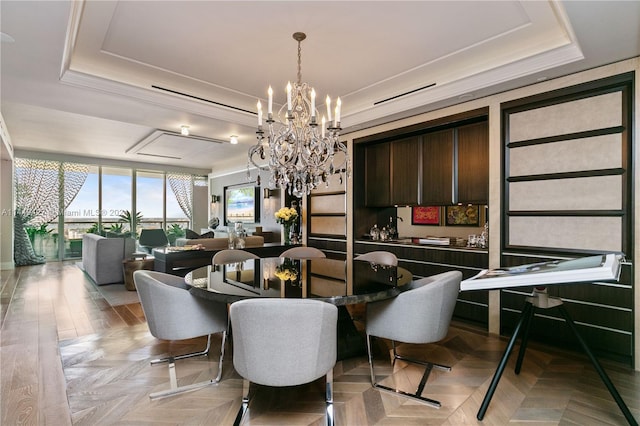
[241,204]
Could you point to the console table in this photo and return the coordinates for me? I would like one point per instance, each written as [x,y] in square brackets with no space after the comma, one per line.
[180,262]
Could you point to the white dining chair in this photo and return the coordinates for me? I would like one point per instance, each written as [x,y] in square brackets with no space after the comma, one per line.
[173,313]
[419,315]
[303,252]
[379,257]
[232,256]
[284,342]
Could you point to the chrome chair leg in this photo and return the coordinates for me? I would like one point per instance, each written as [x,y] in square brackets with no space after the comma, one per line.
[246,385]
[417,394]
[173,381]
[329,398]
[190,355]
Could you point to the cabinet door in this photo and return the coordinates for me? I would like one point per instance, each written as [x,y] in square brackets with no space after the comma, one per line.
[405,171]
[473,163]
[437,168]
[377,175]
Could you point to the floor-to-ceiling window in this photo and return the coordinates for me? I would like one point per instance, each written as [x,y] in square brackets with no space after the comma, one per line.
[98,199]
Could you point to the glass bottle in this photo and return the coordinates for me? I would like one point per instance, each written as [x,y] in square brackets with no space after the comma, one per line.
[375,232]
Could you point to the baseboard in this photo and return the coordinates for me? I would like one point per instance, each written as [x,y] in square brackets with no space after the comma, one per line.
[7,265]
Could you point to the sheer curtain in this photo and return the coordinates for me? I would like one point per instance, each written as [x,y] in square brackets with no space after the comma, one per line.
[182,186]
[39,185]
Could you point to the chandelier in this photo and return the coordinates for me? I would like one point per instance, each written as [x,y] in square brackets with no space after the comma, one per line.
[299,152]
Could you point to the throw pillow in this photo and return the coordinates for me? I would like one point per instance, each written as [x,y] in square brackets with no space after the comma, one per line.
[209,234]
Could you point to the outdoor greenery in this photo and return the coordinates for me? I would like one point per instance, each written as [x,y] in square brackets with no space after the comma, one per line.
[174,231]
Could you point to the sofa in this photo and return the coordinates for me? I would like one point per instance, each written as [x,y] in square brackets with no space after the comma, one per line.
[102,257]
[218,243]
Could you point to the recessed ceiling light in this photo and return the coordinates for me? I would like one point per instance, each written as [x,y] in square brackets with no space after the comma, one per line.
[543,78]
[184,130]
[465,97]
[233,139]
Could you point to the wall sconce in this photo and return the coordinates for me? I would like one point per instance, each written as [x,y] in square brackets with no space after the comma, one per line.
[184,130]
[267,193]
[233,139]
[215,199]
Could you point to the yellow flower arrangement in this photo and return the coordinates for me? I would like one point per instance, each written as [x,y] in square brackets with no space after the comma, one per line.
[287,271]
[286,215]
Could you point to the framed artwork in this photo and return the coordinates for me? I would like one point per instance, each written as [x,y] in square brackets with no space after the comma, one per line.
[241,204]
[463,215]
[428,215]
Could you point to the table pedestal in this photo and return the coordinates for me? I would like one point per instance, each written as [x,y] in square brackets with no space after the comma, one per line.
[541,300]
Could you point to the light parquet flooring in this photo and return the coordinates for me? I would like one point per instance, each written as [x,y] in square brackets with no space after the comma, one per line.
[69,358]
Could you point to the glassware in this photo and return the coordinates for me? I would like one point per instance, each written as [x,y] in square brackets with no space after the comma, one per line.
[375,232]
[472,241]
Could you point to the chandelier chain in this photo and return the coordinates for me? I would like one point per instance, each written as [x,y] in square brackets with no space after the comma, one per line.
[299,62]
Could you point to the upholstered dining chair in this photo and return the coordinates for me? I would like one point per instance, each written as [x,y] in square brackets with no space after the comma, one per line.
[419,315]
[284,342]
[173,313]
[303,252]
[379,257]
[232,256]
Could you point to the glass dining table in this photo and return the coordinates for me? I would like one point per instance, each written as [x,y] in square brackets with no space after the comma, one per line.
[323,279]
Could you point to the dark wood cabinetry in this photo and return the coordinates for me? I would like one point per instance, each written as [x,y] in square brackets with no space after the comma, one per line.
[405,166]
[377,175]
[473,163]
[437,168]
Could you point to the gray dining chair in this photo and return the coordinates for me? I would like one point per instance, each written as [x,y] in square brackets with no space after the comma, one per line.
[419,315]
[232,256]
[303,252]
[284,342]
[173,313]
[379,257]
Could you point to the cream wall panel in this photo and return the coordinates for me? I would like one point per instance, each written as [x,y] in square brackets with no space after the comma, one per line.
[334,185]
[331,225]
[590,193]
[600,152]
[585,233]
[328,204]
[577,116]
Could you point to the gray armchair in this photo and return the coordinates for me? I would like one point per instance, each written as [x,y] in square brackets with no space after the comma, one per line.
[419,315]
[232,256]
[284,342]
[152,238]
[174,314]
[303,252]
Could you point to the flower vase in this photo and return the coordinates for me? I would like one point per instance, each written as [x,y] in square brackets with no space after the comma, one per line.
[287,234]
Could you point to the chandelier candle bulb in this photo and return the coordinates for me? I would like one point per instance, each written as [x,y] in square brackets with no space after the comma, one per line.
[328,101]
[259,114]
[337,120]
[270,109]
[289,96]
[313,103]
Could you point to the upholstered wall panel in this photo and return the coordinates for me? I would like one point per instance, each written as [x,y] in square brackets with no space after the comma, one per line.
[329,225]
[334,186]
[581,233]
[569,117]
[328,204]
[600,152]
[589,193]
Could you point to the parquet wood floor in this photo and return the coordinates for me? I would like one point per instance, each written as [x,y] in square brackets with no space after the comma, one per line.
[67,357]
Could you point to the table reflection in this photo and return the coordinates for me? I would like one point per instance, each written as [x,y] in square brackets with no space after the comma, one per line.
[296,278]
